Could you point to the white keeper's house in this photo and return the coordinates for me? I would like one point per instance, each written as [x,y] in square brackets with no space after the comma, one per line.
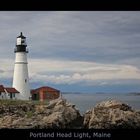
[8,93]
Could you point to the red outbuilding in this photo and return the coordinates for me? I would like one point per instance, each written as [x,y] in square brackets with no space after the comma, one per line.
[45,93]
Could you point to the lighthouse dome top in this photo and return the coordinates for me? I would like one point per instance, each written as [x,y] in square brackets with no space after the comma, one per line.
[21,44]
[21,36]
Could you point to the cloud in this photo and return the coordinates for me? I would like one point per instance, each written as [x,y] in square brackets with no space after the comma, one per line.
[69,72]
[104,37]
[6,70]
[60,72]
[72,47]
[1,71]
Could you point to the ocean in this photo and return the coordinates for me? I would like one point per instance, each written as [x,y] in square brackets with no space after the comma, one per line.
[86,101]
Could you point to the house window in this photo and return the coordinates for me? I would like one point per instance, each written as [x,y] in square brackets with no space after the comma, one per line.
[13,94]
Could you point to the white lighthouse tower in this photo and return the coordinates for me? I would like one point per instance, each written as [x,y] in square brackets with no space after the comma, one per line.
[20,78]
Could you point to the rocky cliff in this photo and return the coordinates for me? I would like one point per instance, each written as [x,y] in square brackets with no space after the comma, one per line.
[60,114]
[112,115]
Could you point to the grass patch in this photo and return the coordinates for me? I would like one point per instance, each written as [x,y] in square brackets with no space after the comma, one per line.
[21,102]
[29,114]
[13,102]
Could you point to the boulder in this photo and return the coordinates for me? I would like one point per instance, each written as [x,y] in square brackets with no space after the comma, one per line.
[111,115]
[62,115]
[58,114]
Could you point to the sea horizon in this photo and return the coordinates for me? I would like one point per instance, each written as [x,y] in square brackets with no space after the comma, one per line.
[86,101]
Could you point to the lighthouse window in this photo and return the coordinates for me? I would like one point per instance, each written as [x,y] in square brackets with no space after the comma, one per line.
[25,80]
[22,41]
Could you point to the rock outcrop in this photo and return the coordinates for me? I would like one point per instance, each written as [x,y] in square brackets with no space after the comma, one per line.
[112,115]
[58,114]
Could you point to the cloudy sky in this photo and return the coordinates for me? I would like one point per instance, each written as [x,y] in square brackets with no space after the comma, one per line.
[81,51]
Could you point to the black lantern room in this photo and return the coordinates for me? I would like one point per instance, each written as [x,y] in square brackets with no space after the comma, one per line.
[21,44]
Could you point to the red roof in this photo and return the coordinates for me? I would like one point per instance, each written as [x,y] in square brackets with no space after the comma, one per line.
[46,88]
[11,90]
[32,91]
[2,88]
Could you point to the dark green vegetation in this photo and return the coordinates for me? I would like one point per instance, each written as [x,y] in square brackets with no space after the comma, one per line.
[21,102]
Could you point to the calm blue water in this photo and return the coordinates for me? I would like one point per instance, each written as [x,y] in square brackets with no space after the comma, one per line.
[86,101]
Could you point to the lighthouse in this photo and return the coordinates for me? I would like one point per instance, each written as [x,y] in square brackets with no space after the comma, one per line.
[20,78]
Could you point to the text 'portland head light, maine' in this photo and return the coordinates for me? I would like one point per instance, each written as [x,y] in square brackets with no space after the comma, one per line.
[20,78]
